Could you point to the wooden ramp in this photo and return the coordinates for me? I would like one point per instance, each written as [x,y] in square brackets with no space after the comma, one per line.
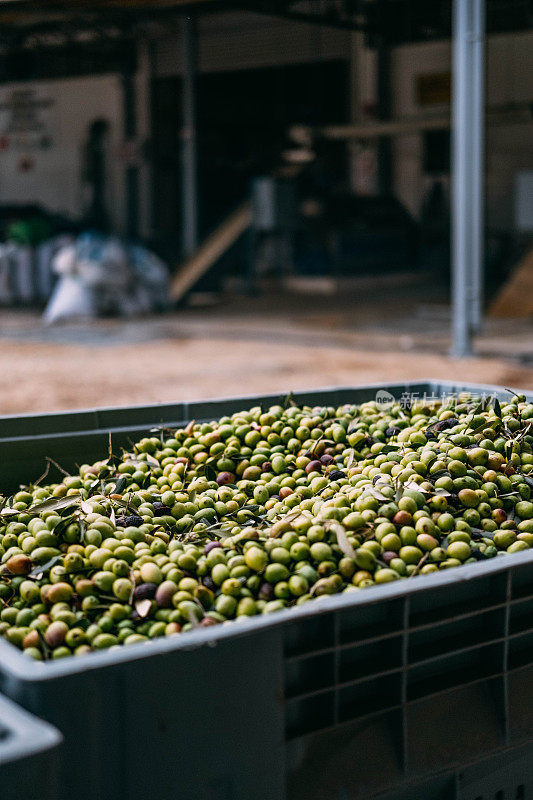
[211,249]
[515,298]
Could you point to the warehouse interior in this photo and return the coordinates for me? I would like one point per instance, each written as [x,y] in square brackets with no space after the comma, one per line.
[266,399]
[290,163]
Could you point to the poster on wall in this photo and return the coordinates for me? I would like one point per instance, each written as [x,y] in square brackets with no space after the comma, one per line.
[27,120]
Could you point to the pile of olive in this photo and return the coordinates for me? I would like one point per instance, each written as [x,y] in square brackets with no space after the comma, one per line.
[259,511]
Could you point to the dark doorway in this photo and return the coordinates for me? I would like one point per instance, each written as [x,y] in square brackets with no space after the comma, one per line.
[243,118]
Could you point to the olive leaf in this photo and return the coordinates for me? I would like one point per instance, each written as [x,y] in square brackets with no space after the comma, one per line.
[63,523]
[96,482]
[478,555]
[495,424]
[479,408]
[112,462]
[391,448]
[440,473]
[415,487]
[51,504]
[105,472]
[44,643]
[133,585]
[38,572]
[376,493]
[342,538]
[120,484]
[86,507]
[210,473]
[289,518]
[497,407]
[193,619]
[524,432]
[315,445]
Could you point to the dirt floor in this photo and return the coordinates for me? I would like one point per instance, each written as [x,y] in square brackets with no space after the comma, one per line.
[40,377]
[247,346]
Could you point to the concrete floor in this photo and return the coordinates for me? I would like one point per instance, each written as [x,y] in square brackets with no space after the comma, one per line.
[372,330]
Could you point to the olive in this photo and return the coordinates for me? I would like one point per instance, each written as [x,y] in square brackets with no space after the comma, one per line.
[256,558]
[55,634]
[60,592]
[164,593]
[151,573]
[410,554]
[144,591]
[458,549]
[19,564]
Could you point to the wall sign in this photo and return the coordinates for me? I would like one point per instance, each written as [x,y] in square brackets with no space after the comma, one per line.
[26,120]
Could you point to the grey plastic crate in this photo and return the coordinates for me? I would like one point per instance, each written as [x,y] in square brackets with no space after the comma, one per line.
[505,775]
[29,763]
[385,690]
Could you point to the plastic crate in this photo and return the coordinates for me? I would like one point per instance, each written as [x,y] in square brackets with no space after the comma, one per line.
[395,689]
[29,764]
[506,775]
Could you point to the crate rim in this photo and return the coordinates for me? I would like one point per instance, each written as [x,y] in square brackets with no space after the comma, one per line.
[452,385]
[28,670]
[29,735]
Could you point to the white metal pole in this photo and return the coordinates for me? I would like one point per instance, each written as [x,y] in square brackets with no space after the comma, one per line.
[478,161]
[467,170]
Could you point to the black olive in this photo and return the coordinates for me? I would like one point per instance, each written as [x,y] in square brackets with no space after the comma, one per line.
[144,591]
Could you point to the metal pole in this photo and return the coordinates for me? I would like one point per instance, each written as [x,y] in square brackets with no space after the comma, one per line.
[478,161]
[188,135]
[467,170]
